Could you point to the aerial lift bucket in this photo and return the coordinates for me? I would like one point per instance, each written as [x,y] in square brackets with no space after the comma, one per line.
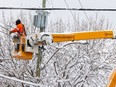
[112,79]
[21,54]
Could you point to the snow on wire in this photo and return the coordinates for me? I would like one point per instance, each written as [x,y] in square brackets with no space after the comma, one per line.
[75,9]
[22,81]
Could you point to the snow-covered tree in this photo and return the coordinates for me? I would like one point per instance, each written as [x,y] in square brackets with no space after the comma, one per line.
[68,64]
[76,64]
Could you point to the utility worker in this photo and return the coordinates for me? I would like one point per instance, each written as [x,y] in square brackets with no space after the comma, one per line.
[20,29]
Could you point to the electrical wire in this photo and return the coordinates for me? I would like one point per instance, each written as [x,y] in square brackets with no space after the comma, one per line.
[70,11]
[52,3]
[84,11]
[22,81]
[74,9]
[48,2]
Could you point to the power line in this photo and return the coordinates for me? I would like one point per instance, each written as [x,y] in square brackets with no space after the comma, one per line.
[21,81]
[71,11]
[48,2]
[84,11]
[75,9]
[52,3]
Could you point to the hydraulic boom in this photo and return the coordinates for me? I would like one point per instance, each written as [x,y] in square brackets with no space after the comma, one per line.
[29,44]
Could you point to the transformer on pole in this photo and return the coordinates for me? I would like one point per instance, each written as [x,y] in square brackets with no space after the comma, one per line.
[41,20]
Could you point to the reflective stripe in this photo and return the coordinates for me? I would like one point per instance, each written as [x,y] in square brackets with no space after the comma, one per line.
[17,28]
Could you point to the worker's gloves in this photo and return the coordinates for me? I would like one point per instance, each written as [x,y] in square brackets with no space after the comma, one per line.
[10,32]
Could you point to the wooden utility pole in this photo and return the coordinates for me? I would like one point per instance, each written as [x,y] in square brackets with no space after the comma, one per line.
[44,4]
[39,49]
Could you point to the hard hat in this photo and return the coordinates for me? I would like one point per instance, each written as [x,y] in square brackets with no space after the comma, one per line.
[18,21]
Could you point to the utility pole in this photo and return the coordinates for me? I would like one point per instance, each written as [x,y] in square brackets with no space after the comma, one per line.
[44,4]
[42,29]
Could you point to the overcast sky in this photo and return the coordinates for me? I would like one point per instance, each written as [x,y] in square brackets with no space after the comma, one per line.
[72,3]
[60,3]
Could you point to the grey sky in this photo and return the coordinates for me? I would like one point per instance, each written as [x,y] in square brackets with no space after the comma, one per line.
[72,3]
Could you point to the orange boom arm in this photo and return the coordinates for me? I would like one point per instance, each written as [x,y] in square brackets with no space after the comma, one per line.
[83,36]
[31,42]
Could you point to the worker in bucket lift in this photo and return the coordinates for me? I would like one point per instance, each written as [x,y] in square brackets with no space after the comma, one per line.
[20,29]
